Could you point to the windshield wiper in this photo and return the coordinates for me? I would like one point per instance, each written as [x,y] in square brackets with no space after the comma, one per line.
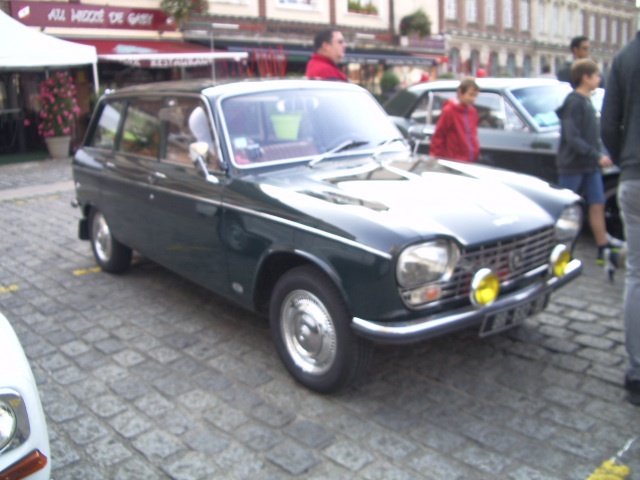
[340,148]
[380,149]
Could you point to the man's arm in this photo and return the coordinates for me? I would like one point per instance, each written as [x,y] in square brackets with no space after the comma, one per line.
[611,116]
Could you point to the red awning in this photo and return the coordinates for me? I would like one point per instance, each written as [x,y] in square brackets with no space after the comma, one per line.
[157,54]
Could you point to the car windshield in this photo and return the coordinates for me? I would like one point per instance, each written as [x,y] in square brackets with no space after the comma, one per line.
[542,101]
[282,125]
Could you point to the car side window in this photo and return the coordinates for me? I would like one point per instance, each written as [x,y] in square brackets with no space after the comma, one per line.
[104,135]
[491,114]
[421,111]
[437,104]
[141,131]
[514,122]
[185,121]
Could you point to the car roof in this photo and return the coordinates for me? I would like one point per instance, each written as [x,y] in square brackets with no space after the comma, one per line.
[490,83]
[234,86]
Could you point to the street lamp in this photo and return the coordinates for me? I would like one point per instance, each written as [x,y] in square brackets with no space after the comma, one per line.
[218,26]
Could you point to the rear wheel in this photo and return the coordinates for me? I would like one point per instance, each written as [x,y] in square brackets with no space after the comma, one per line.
[311,329]
[110,254]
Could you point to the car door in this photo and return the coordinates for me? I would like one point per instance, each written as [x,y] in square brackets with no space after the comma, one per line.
[183,206]
[506,141]
[124,188]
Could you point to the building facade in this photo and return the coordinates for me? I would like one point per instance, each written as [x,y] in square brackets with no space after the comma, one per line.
[519,37]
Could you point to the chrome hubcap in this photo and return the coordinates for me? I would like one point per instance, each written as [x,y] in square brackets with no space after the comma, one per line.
[308,332]
[101,236]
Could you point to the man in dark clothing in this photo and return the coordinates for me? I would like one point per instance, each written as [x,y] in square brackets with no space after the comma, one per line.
[580,48]
[579,157]
[329,47]
[620,128]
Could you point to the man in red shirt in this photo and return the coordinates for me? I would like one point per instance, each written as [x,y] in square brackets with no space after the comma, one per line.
[329,47]
[456,135]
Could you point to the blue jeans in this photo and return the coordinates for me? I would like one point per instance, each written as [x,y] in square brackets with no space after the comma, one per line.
[629,200]
[588,185]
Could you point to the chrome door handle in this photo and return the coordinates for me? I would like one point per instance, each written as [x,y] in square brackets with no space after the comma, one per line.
[155,176]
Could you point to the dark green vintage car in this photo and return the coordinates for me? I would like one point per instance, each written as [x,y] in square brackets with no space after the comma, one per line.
[301,201]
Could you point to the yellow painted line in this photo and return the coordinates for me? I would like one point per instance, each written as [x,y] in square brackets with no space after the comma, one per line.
[29,201]
[9,289]
[86,271]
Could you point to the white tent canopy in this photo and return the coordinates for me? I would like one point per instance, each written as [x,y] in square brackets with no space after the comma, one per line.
[23,48]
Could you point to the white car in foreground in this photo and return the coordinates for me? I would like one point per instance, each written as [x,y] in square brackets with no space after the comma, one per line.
[24,440]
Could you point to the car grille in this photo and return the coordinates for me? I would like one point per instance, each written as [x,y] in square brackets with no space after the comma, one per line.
[512,260]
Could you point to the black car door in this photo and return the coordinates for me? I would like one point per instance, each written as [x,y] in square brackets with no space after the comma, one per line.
[124,180]
[184,207]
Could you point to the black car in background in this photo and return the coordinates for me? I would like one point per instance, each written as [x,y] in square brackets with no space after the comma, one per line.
[519,129]
[301,201]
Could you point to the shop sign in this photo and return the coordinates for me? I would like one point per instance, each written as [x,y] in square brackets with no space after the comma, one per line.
[55,14]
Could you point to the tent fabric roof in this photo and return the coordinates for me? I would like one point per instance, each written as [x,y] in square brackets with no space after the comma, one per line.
[157,53]
[24,48]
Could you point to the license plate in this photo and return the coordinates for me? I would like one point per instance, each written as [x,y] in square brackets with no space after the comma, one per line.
[510,317]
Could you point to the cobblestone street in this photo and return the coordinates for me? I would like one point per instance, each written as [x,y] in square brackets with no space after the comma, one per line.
[147,376]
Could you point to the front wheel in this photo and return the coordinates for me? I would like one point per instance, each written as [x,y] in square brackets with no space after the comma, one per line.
[110,254]
[311,329]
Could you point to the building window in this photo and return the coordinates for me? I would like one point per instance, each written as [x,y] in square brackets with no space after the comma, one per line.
[592,25]
[614,32]
[490,12]
[451,9]
[511,65]
[581,23]
[524,15]
[472,11]
[366,7]
[507,17]
[625,32]
[494,64]
[555,19]
[569,22]
[527,66]
[454,60]
[603,29]
[541,17]
[303,3]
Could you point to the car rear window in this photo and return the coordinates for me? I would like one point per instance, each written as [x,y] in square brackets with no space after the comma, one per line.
[541,102]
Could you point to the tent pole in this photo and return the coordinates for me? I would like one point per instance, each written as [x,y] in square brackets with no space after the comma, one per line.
[96,86]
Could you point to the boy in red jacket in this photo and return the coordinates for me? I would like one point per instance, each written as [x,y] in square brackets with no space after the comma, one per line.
[456,135]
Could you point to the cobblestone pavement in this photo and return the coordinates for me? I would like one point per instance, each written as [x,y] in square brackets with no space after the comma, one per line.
[145,375]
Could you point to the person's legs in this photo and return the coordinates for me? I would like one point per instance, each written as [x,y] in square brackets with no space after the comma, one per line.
[629,199]
[597,224]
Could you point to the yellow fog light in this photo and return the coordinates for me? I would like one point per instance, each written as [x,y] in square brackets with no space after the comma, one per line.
[560,258]
[484,287]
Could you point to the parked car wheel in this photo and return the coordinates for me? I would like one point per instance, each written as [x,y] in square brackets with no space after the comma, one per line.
[110,254]
[311,331]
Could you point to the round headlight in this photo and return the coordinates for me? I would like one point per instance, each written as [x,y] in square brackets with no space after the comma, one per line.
[485,287]
[560,258]
[569,223]
[427,262]
[7,424]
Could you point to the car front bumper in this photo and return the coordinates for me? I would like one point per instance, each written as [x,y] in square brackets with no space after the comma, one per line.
[448,322]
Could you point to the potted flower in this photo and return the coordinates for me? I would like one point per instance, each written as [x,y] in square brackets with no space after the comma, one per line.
[59,110]
[180,10]
[417,23]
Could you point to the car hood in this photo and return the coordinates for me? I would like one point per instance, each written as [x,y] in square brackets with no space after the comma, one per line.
[414,197]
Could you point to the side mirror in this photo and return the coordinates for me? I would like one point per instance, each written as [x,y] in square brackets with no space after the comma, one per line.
[419,133]
[199,151]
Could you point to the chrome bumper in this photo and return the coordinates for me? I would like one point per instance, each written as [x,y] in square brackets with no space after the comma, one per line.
[436,325]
